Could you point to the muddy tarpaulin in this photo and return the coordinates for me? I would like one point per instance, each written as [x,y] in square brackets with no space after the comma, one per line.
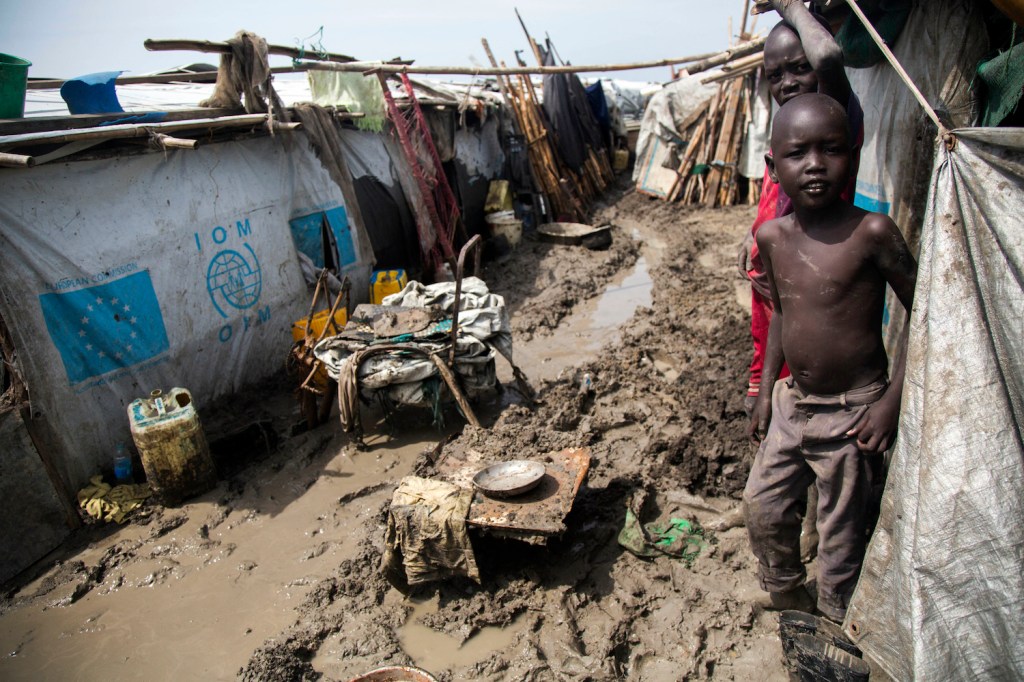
[125,274]
[941,595]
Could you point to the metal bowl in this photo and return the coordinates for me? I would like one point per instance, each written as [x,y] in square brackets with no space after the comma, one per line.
[508,479]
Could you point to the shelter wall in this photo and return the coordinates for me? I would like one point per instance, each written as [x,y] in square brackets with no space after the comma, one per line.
[130,273]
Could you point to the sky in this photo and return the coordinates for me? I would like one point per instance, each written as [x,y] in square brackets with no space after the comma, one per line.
[68,38]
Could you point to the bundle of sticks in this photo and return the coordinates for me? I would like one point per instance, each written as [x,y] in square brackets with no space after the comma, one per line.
[570,193]
[707,173]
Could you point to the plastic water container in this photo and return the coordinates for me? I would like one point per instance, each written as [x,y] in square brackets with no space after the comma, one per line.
[122,465]
[172,445]
[386,282]
[506,229]
[318,322]
[13,84]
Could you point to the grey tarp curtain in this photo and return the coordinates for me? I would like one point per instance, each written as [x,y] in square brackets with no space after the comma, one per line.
[941,595]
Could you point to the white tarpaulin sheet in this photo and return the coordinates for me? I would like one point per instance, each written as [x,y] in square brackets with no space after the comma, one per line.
[941,595]
[665,114]
[939,47]
[155,270]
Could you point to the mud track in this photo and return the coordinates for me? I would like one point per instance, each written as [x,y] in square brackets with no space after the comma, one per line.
[275,574]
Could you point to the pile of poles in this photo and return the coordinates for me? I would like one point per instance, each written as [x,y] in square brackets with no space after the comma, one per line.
[569,193]
[707,173]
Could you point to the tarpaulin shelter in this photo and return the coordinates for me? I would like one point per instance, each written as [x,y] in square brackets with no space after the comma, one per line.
[940,46]
[941,593]
[133,269]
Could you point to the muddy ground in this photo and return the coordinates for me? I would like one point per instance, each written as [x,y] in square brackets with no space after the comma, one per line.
[274,575]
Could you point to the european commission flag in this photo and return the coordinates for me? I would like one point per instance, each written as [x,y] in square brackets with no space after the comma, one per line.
[105,327]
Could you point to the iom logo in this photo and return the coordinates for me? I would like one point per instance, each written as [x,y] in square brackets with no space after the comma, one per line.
[234,280]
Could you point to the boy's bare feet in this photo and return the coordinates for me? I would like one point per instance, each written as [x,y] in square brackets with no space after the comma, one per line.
[808,544]
[734,518]
[797,599]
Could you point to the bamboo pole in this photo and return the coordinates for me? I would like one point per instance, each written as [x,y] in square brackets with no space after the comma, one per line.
[55,83]
[128,130]
[707,60]
[162,45]
[16,160]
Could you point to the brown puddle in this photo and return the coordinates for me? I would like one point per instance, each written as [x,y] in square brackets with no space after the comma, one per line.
[433,650]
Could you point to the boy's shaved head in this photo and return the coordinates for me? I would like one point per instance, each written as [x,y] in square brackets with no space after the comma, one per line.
[811,155]
[812,110]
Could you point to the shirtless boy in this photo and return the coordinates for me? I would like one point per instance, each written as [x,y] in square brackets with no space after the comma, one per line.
[800,57]
[827,264]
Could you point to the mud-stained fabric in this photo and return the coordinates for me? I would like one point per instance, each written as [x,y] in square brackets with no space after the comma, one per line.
[941,593]
[245,70]
[104,502]
[807,443]
[426,538]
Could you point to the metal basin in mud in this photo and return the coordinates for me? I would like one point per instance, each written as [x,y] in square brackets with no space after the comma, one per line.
[508,479]
[576,233]
[395,673]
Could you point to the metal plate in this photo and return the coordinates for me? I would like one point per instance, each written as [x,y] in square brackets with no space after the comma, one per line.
[508,479]
[571,233]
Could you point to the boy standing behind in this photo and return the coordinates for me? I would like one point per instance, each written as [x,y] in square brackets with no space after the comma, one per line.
[827,266]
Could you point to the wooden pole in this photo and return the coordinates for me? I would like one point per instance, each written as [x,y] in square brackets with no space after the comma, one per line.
[16,161]
[54,83]
[529,39]
[127,130]
[891,58]
[159,45]
[168,142]
[729,75]
[362,67]
[741,50]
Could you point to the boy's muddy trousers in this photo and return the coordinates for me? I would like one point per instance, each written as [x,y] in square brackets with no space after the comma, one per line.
[807,442]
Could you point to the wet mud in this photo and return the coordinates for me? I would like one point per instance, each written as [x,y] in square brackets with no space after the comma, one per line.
[638,353]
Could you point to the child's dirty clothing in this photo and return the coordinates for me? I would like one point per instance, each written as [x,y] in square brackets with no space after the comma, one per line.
[807,442]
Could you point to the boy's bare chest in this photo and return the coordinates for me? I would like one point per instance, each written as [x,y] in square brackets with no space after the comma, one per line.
[828,272]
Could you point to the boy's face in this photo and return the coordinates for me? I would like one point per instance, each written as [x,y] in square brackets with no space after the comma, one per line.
[786,67]
[811,153]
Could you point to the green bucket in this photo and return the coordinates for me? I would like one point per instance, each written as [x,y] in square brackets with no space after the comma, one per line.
[13,82]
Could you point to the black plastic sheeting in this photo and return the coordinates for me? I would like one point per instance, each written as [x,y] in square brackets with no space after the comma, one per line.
[569,116]
[389,223]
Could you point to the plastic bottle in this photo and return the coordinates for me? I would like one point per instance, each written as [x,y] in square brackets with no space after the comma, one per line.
[122,465]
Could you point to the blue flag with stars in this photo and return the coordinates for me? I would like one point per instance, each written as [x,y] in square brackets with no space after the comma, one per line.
[105,327]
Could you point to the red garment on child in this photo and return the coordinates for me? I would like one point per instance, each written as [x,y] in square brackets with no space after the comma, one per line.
[760,306]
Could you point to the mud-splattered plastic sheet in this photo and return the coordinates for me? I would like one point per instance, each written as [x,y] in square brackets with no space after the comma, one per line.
[941,595]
